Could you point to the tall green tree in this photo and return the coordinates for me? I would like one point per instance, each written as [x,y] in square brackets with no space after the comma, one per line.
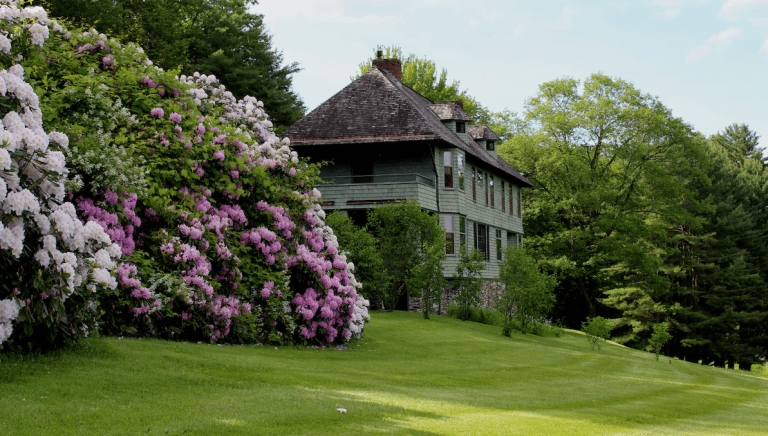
[469,280]
[219,37]
[712,262]
[407,238]
[428,277]
[528,293]
[724,315]
[606,163]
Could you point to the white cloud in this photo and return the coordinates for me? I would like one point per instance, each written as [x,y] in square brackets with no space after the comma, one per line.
[764,47]
[697,53]
[566,17]
[725,37]
[749,9]
[668,3]
[672,7]
[718,41]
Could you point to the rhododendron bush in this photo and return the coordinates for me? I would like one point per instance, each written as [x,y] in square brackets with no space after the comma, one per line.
[155,205]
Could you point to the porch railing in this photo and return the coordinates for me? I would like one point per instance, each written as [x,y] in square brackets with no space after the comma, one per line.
[381,179]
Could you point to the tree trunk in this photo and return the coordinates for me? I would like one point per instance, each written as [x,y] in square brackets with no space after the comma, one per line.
[588,299]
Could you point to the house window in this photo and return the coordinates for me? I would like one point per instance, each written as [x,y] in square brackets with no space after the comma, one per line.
[481,182]
[498,244]
[474,183]
[519,202]
[483,229]
[481,238]
[463,234]
[511,196]
[486,189]
[448,167]
[502,196]
[461,127]
[490,145]
[460,169]
[449,239]
[514,239]
[490,181]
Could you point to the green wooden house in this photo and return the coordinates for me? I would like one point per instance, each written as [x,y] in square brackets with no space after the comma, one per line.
[388,144]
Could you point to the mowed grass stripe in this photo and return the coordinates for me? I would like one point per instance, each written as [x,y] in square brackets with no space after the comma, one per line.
[408,376]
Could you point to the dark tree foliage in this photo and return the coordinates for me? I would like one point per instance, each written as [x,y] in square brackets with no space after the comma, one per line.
[219,37]
[406,235]
[723,312]
[708,276]
[363,252]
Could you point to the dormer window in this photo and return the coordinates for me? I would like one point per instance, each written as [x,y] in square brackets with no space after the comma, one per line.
[461,127]
[490,145]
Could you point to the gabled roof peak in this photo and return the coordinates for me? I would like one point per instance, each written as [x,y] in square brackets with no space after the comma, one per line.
[482,132]
[450,110]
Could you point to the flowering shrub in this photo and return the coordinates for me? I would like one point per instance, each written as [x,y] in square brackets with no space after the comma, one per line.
[215,218]
[51,263]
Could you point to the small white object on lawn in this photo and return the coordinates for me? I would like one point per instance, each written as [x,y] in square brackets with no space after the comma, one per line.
[342,410]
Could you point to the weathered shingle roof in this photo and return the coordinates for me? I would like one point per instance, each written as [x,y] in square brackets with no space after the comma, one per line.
[481,131]
[449,110]
[376,108]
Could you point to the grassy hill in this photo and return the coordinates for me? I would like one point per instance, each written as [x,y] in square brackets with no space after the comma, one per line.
[408,376]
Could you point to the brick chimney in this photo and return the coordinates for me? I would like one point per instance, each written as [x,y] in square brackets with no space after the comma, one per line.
[393,66]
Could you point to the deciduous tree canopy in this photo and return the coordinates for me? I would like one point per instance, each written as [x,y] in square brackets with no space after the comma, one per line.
[644,221]
[605,163]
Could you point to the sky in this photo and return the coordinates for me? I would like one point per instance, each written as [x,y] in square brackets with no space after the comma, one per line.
[706,60]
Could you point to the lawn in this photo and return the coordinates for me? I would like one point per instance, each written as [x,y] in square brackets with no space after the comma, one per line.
[408,376]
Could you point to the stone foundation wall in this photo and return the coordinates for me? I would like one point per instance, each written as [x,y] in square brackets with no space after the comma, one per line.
[490,292]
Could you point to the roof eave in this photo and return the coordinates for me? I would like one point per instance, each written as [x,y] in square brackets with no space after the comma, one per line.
[361,139]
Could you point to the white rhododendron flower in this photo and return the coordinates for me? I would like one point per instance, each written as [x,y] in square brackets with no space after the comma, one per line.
[5,159]
[103,259]
[18,202]
[9,310]
[33,170]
